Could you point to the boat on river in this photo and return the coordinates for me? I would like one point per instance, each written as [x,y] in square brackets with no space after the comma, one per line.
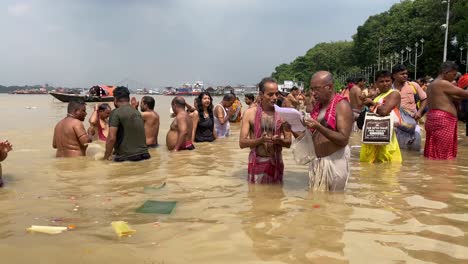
[66,97]
[97,93]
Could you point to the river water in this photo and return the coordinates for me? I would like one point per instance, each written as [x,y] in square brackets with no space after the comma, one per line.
[416,212]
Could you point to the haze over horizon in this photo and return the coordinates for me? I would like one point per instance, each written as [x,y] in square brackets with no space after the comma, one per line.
[166,42]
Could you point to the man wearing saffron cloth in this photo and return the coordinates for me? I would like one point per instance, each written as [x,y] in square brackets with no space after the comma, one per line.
[263,132]
[441,120]
[330,124]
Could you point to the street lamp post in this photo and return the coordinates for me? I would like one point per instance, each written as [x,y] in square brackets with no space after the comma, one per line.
[391,61]
[446,29]
[461,58]
[416,56]
[403,59]
[408,54]
[378,60]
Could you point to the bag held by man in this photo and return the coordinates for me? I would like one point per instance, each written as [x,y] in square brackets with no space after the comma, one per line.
[303,149]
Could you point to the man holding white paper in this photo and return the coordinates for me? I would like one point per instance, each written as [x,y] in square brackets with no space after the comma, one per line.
[262,131]
[330,123]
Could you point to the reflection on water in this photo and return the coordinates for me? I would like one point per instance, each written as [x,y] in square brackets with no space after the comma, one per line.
[415,212]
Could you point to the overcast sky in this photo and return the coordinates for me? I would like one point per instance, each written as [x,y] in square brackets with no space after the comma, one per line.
[78,43]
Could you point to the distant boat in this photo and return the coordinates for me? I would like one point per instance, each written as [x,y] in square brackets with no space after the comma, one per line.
[64,97]
[93,95]
[188,90]
[30,91]
[147,92]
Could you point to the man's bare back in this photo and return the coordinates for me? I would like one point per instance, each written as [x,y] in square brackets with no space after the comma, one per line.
[355,98]
[440,95]
[151,119]
[291,101]
[70,138]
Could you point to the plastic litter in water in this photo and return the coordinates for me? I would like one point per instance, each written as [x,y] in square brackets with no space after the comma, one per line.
[52,230]
[156,207]
[121,228]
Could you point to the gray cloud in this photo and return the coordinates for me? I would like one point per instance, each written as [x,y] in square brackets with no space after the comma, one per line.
[82,42]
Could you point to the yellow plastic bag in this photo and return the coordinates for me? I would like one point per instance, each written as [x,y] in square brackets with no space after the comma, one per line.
[122,229]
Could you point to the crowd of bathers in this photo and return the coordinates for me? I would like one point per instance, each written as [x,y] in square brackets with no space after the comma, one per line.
[330,118]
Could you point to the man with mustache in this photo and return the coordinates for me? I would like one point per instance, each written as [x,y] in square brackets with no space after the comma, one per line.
[330,123]
[263,132]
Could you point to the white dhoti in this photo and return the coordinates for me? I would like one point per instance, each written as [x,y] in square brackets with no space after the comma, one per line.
[330,173]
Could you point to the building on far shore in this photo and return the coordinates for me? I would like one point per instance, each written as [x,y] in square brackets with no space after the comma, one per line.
[288,85]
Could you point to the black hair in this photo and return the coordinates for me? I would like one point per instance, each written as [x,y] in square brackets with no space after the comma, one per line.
[103,107]
[121,93]
[250,96]
[349,80]
[360,79]
[398,68]
[294,88]
[382,73]
[75,105]
[228,97]
[200,105]
[448,66]
[261,85]
[422,80]
[149,101]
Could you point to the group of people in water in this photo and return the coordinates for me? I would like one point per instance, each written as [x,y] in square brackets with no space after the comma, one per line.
[330,119]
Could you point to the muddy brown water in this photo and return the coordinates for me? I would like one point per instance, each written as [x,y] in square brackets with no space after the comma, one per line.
[416,212]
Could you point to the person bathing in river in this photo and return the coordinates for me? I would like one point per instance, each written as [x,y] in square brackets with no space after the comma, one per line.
[222,116]
[441,123]
[150,119]
[127,130]
[70,137]
[386,103]
[249,100]
[204,119]
[179,136]
[263,132]
[99,121]
[236,107]
[5,147]
[330,122]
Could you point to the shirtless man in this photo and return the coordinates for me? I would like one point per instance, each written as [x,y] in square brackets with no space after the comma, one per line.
[70,136]
[150,118]
[179,136]
[441,122]
[263,132]
[330,123]
[249,99]
[99,121]
[355,94]
[292,100]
